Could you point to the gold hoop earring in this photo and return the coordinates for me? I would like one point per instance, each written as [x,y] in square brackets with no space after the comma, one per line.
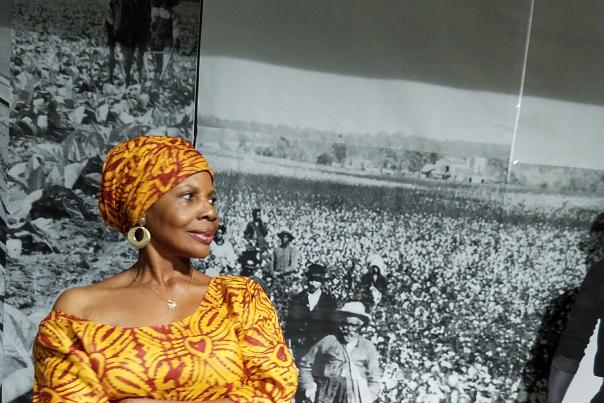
[144,241]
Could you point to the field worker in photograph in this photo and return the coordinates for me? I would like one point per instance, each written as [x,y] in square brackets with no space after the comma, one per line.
[285,256]
[373,282]
[255,231]
[310,312]
[223,252]
[160,331]
[128,24]
[343,367]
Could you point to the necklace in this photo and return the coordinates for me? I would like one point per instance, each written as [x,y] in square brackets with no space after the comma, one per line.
[170,302]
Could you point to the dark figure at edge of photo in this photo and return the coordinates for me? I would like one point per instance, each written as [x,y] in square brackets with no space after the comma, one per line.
[145,334]
[310,312]
[585,312]
[128,23]
[342,367]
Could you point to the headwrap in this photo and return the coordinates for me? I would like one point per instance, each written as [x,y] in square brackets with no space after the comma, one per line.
[139,171]
[377,261]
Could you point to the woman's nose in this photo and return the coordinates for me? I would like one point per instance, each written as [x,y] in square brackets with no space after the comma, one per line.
[207,211]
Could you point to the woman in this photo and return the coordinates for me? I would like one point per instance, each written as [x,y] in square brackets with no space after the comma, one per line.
[160,331]
[344,367]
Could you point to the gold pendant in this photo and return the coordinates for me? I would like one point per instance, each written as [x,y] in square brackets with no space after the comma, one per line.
[171,304]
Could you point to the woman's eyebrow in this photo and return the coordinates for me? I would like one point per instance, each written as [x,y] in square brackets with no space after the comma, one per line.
[185,186]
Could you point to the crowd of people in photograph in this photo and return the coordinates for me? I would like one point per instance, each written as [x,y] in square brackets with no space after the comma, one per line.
[454,299]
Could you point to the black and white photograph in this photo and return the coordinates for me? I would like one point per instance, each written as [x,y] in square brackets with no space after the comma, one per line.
[415,176]
[84,75]
[5,46]
[417,185]
[3,218]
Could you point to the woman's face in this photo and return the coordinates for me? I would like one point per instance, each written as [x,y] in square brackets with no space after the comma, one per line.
[183,221]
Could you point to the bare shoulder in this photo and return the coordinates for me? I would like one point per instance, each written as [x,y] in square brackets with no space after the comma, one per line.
[72,301]
[77,301]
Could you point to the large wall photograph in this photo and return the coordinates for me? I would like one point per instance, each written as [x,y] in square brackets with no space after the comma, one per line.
[5,48]
[430,168]
[85,75]
[437,162]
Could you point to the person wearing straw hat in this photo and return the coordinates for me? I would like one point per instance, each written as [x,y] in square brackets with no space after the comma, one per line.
[342,367]
[158,330]
[309,312]
[285,256]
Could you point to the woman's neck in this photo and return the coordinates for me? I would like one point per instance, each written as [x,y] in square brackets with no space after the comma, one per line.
[159,268]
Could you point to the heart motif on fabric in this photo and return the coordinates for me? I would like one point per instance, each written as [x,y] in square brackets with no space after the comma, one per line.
[200,346]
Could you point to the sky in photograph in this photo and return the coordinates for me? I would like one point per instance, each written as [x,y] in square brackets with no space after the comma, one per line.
[550,131]
[447,70]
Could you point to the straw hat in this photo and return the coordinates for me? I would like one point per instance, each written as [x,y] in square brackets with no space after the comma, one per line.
[377,261]
[355,309]
[285,234]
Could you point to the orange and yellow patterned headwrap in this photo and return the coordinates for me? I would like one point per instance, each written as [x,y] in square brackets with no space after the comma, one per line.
[137,172]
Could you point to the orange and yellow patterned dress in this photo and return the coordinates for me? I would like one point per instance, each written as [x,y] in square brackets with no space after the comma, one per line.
[230,347]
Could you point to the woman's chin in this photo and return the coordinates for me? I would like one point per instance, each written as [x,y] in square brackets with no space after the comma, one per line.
[194,253]
[200,255]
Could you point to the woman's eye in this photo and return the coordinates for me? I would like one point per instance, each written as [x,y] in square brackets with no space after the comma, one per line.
[212,200]
[187,196]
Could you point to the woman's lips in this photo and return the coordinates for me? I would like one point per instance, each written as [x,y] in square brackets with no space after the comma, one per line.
[203,237]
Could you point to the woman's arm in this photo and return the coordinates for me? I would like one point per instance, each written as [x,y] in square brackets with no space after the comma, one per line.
[62,370]
[273,376]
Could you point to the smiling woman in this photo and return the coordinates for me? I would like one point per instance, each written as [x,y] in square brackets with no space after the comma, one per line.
[160,331]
